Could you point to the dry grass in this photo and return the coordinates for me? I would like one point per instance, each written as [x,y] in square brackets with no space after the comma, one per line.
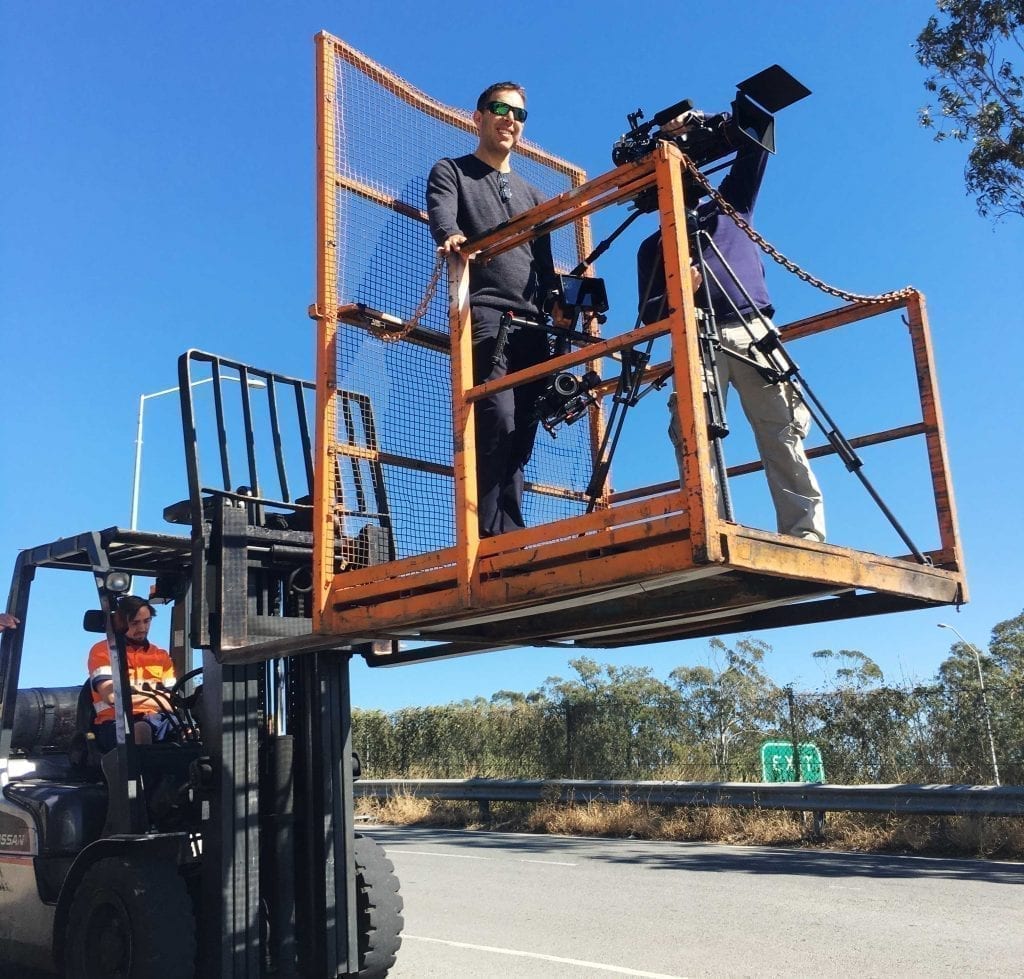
[404,809]
[975,836]
[593,819]
[962,836]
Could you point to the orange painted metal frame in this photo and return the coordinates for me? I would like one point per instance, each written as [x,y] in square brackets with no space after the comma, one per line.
[662,541]
[323,312]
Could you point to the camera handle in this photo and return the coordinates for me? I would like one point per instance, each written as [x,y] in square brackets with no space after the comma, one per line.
[603,246]
[509,323]
[782,368]
[501,341]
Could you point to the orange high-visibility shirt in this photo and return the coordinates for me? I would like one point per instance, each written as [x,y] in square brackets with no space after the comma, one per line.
[146,664]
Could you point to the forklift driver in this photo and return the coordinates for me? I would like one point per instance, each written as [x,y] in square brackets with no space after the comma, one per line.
[149,668]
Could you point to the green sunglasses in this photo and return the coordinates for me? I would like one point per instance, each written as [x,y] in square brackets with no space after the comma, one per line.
[503,109]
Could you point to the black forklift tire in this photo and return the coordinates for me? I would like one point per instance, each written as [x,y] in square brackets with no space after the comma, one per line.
[378,909]
[130,918]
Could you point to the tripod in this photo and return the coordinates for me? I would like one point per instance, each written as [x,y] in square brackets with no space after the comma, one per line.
[633,362]
[630,388]
[765,354]
[777,367]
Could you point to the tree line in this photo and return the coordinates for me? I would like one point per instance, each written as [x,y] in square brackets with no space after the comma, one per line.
[708,722]
[967,46]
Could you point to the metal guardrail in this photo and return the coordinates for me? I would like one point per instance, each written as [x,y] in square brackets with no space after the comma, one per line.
[923,800]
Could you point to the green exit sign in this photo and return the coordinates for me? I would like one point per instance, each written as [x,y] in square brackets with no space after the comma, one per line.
[777,762]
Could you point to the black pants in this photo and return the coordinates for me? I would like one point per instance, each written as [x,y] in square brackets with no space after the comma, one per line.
[506,424]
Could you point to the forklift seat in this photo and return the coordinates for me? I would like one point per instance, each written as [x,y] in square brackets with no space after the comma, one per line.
[83,751]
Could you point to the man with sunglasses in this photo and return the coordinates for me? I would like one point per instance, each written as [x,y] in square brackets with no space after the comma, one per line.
[467,196]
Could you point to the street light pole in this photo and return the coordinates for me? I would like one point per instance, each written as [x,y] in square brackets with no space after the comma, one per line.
[984,698]
[143,398]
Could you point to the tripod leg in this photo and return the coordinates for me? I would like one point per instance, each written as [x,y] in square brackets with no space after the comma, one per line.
[714,406]
[709,344]
[633,364]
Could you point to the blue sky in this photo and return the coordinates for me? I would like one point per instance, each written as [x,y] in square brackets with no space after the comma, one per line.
[156,194]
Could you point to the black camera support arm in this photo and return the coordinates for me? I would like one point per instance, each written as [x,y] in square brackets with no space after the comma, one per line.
[634,363]
[509,323]
[604,245]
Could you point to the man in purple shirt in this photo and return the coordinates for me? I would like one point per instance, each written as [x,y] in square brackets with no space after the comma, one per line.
[775,410]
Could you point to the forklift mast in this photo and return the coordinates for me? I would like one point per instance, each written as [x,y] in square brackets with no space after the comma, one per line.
[279,861]
[263,828]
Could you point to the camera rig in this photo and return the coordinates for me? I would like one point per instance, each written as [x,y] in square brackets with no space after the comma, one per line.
[567,396]
[709,138]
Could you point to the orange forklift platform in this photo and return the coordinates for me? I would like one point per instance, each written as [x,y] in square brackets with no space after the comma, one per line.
[652,563]
[607,567]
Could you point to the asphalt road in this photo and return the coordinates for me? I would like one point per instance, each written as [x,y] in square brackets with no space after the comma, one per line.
[491,904]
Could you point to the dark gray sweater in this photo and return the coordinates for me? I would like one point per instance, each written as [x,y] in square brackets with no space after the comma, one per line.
[464,197]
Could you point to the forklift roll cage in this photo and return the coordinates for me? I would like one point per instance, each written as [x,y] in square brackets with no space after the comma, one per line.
[650,563]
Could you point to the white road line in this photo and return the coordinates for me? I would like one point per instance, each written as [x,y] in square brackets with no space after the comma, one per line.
[468,856]
[431,853]
[619,970]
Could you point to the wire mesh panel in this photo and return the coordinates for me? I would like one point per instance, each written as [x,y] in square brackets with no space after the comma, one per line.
[379,137]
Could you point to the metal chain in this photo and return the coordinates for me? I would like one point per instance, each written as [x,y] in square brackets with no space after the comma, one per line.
[393,335]
[381,331]
[770,250]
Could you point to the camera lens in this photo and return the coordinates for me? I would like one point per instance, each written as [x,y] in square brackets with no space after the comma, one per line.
[565,384]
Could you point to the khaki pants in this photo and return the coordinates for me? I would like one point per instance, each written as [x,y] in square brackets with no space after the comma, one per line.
[780,422]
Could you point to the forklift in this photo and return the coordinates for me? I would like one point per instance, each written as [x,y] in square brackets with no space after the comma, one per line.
[229,849]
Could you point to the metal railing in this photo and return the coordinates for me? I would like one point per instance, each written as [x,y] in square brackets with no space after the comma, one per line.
[922,800]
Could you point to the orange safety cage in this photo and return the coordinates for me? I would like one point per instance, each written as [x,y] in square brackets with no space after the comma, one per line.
[646,563]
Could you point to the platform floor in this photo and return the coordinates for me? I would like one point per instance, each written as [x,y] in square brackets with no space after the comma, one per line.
[635,582]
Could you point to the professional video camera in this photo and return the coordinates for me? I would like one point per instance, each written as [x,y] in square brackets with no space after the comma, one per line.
[565,399]
[709,138]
